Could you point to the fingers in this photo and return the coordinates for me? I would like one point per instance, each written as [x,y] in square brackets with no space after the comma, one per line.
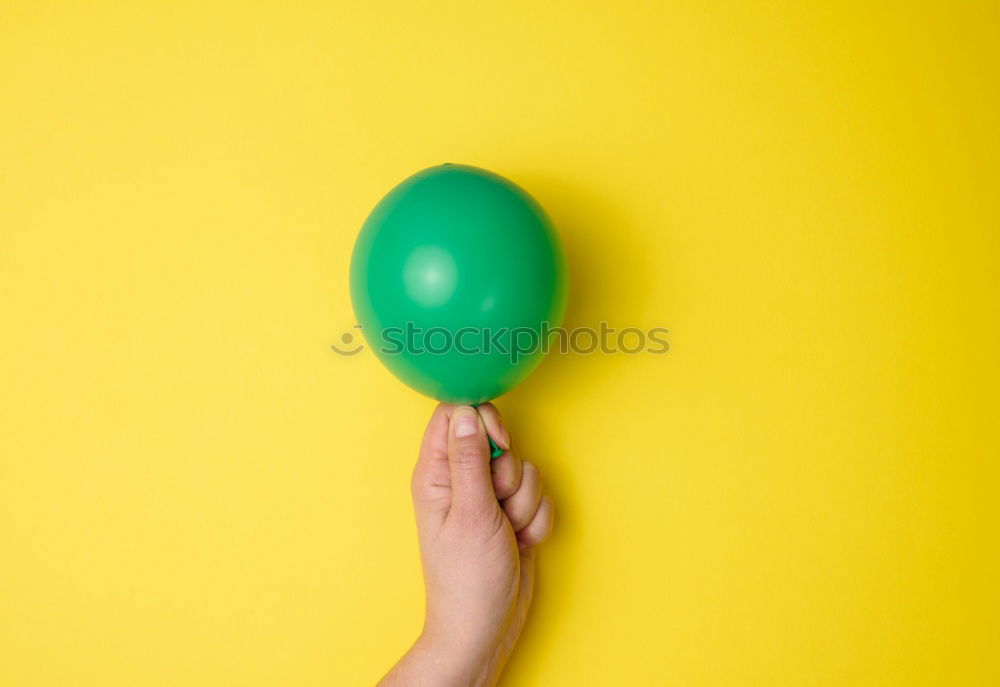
[454,471]
[506,475]
[431,480]
[469,461]
[434,445]
[520,507]
[491,418]
[540,527]
[506,468]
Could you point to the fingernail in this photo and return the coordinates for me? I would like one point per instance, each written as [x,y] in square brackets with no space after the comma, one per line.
[504,437]
[466,422]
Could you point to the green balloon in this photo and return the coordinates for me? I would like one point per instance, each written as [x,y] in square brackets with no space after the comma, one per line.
[457,277]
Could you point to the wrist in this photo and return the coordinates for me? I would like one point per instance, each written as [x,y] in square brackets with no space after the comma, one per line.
[461,662]
[436,661]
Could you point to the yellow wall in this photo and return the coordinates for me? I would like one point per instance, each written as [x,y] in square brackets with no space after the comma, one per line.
[194,490]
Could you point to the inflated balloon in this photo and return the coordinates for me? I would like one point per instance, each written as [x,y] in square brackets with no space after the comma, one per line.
[457,278]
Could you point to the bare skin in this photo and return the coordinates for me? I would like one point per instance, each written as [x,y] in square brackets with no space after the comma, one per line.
[478,523]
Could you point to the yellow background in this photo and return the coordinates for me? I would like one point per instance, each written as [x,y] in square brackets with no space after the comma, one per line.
[194,490]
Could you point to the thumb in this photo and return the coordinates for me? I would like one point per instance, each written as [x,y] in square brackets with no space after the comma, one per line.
[469,461]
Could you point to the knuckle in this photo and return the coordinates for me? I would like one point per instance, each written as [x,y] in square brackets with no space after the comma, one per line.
[467,454]
[527,538]
[517,517]
[505,485]
[531,473]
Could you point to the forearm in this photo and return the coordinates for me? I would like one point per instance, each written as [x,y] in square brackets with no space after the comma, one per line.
[430,663]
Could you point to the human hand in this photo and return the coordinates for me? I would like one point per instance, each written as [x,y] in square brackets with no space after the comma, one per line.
[478,522]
